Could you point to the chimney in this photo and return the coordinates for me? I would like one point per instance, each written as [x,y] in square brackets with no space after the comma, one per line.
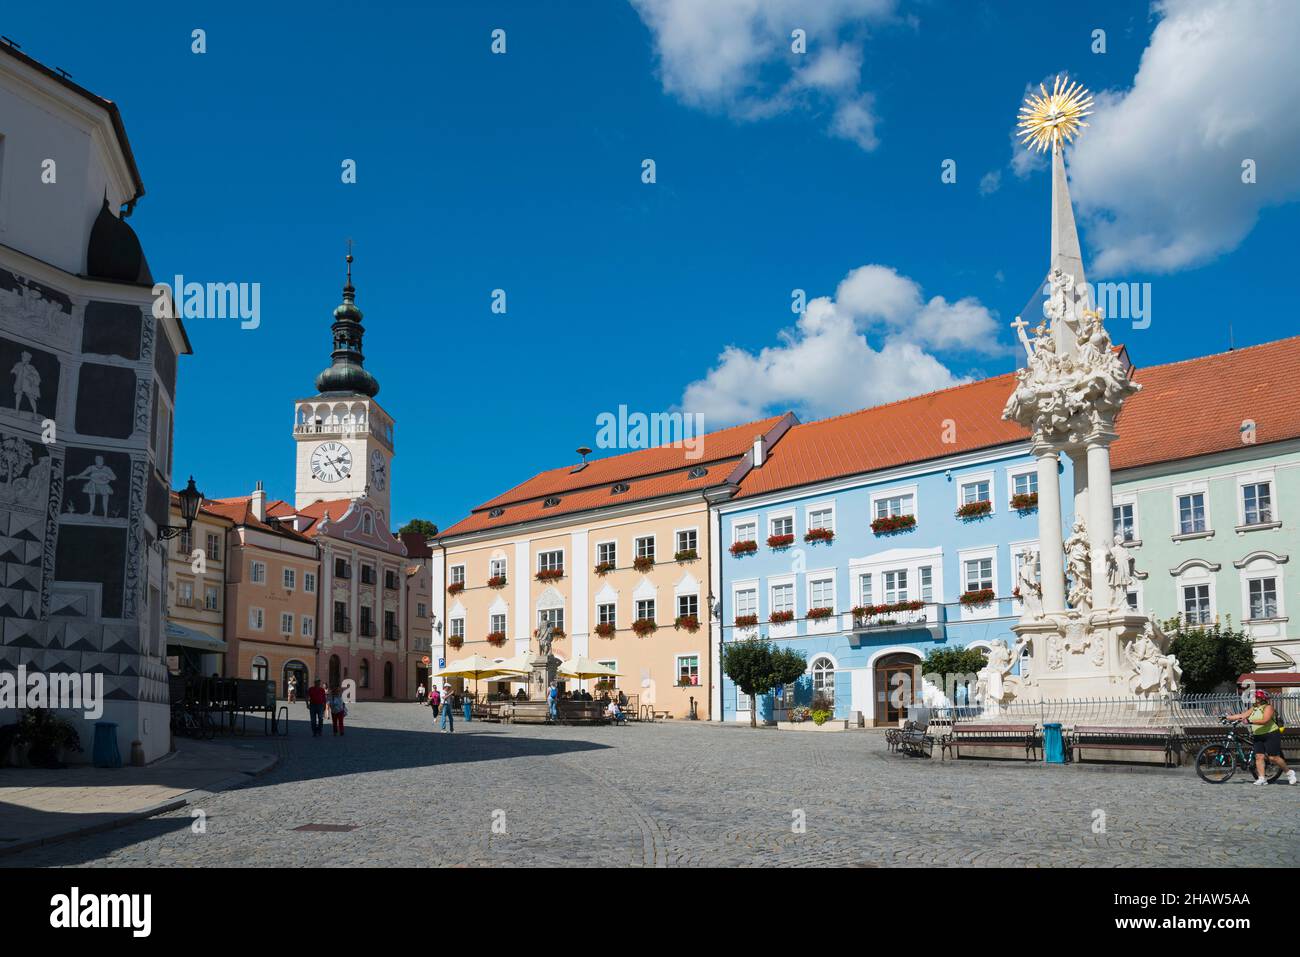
[758,451]
[258,503]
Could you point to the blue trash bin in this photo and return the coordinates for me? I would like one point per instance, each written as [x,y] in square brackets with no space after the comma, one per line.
[467,708]
[105,753]
[1053,743]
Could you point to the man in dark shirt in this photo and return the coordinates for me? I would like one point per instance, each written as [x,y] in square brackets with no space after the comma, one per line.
[316,708]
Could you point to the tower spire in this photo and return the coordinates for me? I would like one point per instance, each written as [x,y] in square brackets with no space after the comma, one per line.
[347,373]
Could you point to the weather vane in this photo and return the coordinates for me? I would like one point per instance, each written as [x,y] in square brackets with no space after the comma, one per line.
[1055,118]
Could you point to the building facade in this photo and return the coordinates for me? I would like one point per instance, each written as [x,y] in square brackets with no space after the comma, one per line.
[865,555]
[421,662]
[196,592]
[1207,494]
[87,427]
[615,555]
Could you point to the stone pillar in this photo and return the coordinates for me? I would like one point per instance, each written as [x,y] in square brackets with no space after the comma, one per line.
[1079,464]
[1101,519]
[1050,543]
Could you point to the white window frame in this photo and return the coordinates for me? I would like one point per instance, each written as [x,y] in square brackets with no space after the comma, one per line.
[215,591]
[564,564]
[677,605]
[1131,499]
[290,578]
[505,622]
[1014,472]
[456,627]
[1257,566]
[748,585]
[819,507]
[612,665]
[452,570]
[256,618]
[637,610]
[975,612]
[780,516]
[614,616]
[744,523]
[784,629]
[504,567]
[308,626]
[678,532]
[607,543]
[257,572]
[653,539]
[309,582]
[1256,478]
[895,492]
[961,481]
[286,618]
[1195,488]
[677,667]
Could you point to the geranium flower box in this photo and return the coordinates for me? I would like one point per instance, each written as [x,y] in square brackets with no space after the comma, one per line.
[780,541]
[746,621]
[817,614]
[689,622]
[643,626]
[605,629]
[814,535]
[454,642]
[779,617]
[1025,501]
[604,568]
[892,524]
[455,588]
[744,548]
[643,564]
[549,574]
[496,638]
[497,581]
[975,509]
[686,555]
[980,596]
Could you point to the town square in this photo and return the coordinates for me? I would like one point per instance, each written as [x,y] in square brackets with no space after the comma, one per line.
[652,434]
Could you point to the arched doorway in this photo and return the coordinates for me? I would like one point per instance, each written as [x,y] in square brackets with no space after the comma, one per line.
[896,679]
[336,677]
[298,671]
[388,679]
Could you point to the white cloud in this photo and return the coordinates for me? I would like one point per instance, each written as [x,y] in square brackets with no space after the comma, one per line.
[827,364]
[1157,177]
[735,56]
[990,182]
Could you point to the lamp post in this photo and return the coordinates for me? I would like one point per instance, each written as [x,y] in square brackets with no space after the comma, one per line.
[190,498]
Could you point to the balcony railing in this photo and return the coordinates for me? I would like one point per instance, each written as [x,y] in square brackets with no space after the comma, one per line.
[929,615]
[368,629]
[393,634]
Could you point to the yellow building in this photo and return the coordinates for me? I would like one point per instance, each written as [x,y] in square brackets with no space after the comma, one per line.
[196,586]
[617,554]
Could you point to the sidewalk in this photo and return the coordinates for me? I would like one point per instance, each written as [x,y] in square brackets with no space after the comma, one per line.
[39,806]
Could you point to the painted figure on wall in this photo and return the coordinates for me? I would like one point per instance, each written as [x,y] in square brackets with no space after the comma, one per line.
[27,382]
[97,478]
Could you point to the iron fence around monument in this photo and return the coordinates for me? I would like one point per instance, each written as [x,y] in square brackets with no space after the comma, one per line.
[1178,711]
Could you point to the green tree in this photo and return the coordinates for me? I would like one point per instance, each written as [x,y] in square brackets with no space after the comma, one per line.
[1210,655]
[945,667]
[420,525]
[757,666]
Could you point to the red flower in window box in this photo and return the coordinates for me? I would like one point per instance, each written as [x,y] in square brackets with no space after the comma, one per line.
[744,548]
[455,588]
[780,541]
[643,564]
[644,626]
[497,581]
[777,617]
[869,611]
[496,638]
[975,509]
[604,568]
[819,535]
[690,622]
[889,524]
[549,574]
[686,555]
[605,629]
[1025,501]
[746,621]
[454,642]
[980,596]
[818,613]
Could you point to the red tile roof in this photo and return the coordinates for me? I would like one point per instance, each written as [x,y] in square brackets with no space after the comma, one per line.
[1198,406]
[650,473]
[884,436]
[239,511]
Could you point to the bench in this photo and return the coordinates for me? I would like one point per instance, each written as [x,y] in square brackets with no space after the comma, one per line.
[1085,737]
[915,740]
[1018,736]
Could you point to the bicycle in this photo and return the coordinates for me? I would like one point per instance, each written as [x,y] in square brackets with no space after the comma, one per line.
[1216,763]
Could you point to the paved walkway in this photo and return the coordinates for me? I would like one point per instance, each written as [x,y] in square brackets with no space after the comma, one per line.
[393,793]
[39,806]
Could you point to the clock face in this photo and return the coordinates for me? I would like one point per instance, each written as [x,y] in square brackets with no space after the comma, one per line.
[378,470]
[331,462]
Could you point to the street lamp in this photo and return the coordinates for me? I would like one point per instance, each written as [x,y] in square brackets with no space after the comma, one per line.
[190,498]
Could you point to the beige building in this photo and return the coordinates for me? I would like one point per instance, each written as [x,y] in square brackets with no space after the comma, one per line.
[419,611]
[615,554]
[196,592]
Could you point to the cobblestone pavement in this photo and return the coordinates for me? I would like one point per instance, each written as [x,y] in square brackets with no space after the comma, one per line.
[682,794]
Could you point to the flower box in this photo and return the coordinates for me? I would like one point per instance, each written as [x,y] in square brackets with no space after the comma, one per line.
[549,574]
[643,626]
[454,642]
[892,524]
[605,629]
[780,541]
[604,568]
[744,548]
[981,596]
[497,581]
[778,617]
[975,509]
[686,555]
[496,638]
[1025,501]
[686,683]
[455,588]
[643,564]
[868,611]
[746,621]
[689,622]
[818,613]
[814,535]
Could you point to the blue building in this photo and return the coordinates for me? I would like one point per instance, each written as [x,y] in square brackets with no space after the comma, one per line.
[869,539]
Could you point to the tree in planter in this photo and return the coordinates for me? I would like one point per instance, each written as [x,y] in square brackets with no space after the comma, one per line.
[46,736]
[1210,655]
[946,666]
[757,666]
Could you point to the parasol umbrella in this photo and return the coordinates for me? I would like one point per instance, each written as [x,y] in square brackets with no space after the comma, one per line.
[582,667]
[476,667]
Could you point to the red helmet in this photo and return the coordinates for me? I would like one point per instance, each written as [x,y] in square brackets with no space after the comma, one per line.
[1261,695]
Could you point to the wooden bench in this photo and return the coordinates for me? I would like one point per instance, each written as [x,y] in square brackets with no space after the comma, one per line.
[1099,738]
[915,740]
[1019,736]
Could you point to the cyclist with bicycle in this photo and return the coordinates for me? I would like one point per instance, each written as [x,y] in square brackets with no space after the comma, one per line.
[1266,736]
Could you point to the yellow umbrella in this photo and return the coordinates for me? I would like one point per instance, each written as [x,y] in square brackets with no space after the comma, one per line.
[476,667]
[582,667]
[519,664]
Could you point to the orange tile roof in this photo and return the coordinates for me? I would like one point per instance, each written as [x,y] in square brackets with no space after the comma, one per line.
[239,511]
[1197,406]
[650,473]
[884,436]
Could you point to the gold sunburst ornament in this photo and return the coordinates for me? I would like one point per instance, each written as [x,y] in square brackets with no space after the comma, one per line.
[1054,118]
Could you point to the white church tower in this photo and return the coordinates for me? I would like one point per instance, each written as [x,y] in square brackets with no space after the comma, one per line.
[345,438]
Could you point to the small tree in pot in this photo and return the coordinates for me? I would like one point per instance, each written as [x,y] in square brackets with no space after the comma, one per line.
[757,666]
[47,737]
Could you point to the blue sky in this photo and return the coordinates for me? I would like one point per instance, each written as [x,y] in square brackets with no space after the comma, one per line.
[775,172]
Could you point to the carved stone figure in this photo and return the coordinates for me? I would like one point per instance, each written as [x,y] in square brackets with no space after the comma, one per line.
[1031,590]
[1078,566]
[545,639]
[990,685]
[1119,568]
[27,382]
[1153,671]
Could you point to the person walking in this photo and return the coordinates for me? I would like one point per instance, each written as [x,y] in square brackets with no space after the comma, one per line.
[552,703]
[435,702]
[1266,736]
[419,693]
[338,709]
[293,689]
[316,698]
[448,722]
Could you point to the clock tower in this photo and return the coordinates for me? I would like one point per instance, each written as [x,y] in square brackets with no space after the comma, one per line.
[344,437]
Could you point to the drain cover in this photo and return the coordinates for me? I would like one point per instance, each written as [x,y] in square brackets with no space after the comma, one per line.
[328,827]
